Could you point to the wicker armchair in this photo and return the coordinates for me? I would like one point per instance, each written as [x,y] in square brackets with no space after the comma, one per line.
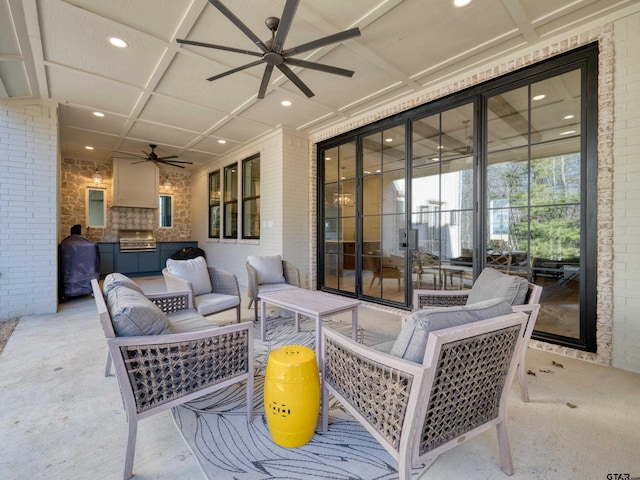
[450,298]
[254,286]
[417,411]
[224,293]
[158,372]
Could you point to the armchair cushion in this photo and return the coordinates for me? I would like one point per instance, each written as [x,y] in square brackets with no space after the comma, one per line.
[194,271]
[185,321]
[118,280]
[412,340]
[133,314]
[215,302]
[491,283]
[268,268]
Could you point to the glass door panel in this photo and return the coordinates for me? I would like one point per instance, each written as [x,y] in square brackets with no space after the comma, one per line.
[339,217]
[383,215]
[533,193]
[442,200]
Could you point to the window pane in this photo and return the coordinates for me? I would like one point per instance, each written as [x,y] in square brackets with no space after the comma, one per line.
[508,181]
[508,115]
[251,220]
[165,211]
[231,201]
[231,220]
[214,204]
[251,174]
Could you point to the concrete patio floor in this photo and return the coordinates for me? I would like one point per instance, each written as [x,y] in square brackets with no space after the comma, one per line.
[62,419]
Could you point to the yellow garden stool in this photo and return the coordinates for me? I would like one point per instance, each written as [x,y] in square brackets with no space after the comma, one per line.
[292,395]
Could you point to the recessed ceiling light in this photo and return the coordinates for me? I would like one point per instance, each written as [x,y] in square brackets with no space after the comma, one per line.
[88,147]
[285,103]
[569,117]
[568,132]
[538,97]
[222,141]
[98,114]
[327,158]
[118,42]
[461,3]
[388,140]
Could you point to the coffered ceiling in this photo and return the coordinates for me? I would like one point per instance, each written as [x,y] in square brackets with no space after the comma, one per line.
[155,90]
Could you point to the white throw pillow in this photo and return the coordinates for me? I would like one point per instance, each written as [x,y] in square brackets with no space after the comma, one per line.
[194,271]
[268,268]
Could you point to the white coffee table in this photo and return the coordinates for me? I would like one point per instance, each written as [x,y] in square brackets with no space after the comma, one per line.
[311,303]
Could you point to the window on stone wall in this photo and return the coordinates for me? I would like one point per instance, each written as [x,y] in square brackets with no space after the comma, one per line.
[251,197]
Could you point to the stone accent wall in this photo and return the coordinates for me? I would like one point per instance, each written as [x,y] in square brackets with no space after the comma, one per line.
[603,34]
[76,177]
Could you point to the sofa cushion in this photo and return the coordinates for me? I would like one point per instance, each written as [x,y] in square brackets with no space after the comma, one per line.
[184,321]
[268,268]
[194,271]
[412,341]
[494,284]
[215,302]
[118,280]
[134,314]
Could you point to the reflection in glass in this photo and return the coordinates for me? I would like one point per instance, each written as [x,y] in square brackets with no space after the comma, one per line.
[165,212]
[533,192]
[96,208]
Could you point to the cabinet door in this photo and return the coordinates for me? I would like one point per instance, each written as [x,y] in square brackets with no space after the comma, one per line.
[148,261]
[127,262]
[107,258]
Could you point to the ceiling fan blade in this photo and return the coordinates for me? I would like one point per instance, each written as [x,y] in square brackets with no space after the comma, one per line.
[219,47]
[238,23]
[134,155]
[234,70]
[296,80]
[321,42]
[167,157]
[319,66]
[177,161]
[265,81]
[171,163]
[286,20]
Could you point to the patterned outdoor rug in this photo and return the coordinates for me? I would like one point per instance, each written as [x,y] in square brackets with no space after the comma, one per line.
[227,447]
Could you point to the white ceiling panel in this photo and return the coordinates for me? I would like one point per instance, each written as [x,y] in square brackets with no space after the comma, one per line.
[165,110]
[156,90]
[172,136]
[88,49]
[91,91]
[85,119]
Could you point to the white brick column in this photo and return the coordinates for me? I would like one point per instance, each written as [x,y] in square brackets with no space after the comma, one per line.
[28,208]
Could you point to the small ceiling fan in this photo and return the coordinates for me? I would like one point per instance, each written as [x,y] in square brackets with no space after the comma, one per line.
[153,157]
[273,53]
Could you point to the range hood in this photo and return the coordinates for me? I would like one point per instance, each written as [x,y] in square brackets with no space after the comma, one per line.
[135,183]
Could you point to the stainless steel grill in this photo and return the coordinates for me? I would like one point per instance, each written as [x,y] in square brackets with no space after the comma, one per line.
[137,241]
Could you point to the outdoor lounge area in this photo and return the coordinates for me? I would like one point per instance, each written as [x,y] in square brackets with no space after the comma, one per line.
[61,418]
[387,153]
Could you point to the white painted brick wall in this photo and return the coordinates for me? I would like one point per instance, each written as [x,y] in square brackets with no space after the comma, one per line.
[28,208]
[626,213]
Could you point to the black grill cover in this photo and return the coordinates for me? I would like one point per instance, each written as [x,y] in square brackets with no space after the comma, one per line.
[78,264]
[187,253]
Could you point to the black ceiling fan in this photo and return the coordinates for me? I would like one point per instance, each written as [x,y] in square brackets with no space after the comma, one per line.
[153,157]
[273,53]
